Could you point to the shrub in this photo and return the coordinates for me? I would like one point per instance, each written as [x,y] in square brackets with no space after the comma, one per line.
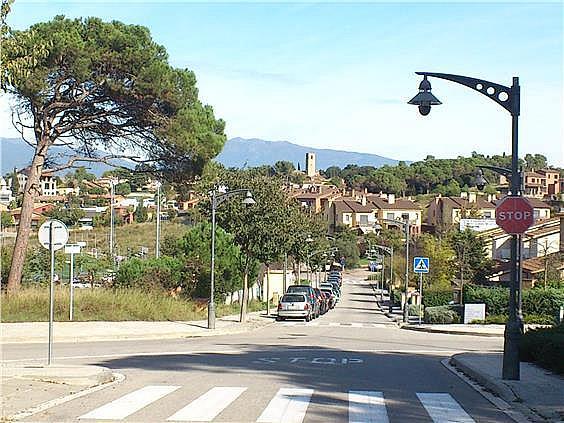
[536,301]
[441,314]
[162,273]
[437,297]
[414,310]
[396,297]
[545,346]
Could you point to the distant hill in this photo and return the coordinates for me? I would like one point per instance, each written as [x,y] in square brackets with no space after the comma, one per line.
[239,152]
[16,153]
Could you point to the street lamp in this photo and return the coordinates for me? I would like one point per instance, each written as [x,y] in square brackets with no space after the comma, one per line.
[510,99]
[216,200]
[158,243]
[390,251]
[405,226]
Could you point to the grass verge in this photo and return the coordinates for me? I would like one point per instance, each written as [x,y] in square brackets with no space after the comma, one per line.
[101,304]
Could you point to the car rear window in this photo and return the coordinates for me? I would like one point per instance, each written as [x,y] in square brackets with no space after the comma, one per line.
[327,291]
[293,298]
[296,288]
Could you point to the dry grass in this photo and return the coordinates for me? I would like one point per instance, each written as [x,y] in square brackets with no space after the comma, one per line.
[32,305]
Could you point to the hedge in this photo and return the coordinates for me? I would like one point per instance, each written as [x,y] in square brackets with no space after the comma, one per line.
[544,302]
[442,315]
[545,347]
[437,297]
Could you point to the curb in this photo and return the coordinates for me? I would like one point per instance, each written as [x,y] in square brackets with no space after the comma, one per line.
[69,375]
[501,390]
[450,332]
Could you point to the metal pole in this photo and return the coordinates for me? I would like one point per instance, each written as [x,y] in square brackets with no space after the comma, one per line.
[284,277]
[513,331]
[420,295]
[157,246]
[71,305]
[382,280]
[112,222]
[211,305]
[51,295]
[405,306]
[391,269]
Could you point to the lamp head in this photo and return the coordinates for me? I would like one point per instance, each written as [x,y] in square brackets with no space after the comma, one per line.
[480,180]
[249,200]
[424,99]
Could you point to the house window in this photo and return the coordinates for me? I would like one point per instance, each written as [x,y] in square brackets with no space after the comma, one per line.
[487,214]
[363,219]
[505,253]
[346,218]
[390,216]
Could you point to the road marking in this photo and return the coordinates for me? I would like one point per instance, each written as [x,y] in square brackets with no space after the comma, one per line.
[357,325]
[367,407]
[313,324]
[288,406]
[333,324]
[208,406]
[443,408]
[130,403]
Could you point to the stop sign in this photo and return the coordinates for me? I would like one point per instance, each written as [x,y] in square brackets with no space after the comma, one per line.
[514,215]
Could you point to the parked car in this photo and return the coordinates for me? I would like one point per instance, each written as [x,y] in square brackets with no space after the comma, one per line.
[310,293]
[331,300]
[295,305]
[334,290]
[323,307]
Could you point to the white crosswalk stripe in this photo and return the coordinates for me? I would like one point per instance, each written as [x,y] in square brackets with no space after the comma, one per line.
[130,403]
[367,407]
[443,408]
[288,406]
[209,405]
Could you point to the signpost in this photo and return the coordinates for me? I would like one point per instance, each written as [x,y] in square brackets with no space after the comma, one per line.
[420,265]
[53,235]
[514,215]
[72,249]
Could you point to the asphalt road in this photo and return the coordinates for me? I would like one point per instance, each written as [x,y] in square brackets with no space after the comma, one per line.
[351,364]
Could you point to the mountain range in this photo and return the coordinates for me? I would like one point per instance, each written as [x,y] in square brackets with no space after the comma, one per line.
[241,152]
[237,152]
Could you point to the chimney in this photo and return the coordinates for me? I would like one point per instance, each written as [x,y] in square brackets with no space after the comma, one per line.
[353,193]
[391,199]
[363,200]
[365,190]
[463,195]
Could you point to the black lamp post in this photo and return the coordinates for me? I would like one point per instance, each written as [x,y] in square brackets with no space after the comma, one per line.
[509,99]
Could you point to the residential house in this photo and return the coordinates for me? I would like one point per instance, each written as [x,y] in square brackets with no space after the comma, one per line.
[47,181]
[6,196]
[348,211]
[316,198]
[445,212]
[386,206]
[37,215]
[538,183]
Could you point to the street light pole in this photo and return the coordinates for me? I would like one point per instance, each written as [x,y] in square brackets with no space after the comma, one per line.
[406,306]
[157,246]
[112,191]
[216,200]
[510,99]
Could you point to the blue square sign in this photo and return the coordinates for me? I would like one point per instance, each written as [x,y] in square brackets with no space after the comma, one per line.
[421,264]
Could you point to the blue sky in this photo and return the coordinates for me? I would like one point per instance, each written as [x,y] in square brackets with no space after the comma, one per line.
[338,75]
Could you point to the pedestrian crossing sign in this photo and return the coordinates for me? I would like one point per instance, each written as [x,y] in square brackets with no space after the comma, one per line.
[421,264]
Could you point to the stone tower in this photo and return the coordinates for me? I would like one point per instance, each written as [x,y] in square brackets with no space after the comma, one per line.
[310,164]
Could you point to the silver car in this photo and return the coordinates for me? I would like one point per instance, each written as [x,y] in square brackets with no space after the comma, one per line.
[294,306]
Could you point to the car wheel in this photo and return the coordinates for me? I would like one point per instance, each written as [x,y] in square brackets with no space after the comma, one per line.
[279,319]
[307,318]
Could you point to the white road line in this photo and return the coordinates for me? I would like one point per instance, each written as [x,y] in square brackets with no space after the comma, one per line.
[313,324]
[209,405]
[367,407]
[288,406]
[357,325]
[130,403]
[443,408]
[334,324]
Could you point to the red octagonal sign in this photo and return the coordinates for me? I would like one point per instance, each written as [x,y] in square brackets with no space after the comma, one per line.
[514,215]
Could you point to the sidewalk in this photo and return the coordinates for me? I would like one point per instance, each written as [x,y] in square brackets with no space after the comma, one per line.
[29,388]
[539,394]
[35,332]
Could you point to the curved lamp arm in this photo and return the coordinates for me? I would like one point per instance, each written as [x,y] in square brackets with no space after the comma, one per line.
[511,103]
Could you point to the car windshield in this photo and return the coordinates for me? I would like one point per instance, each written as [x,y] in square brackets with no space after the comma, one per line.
[298,288]
[293,298]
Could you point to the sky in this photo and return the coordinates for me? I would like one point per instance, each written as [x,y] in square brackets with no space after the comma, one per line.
[339,74]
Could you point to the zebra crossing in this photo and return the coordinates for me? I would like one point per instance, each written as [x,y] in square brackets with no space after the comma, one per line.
[337,324]
[288,405]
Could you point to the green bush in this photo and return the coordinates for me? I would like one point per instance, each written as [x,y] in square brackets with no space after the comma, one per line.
[437,297]
[536,301]
[396,297]
[156,273]
[544,346]
[414,310]
[441,314]
[531,319]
